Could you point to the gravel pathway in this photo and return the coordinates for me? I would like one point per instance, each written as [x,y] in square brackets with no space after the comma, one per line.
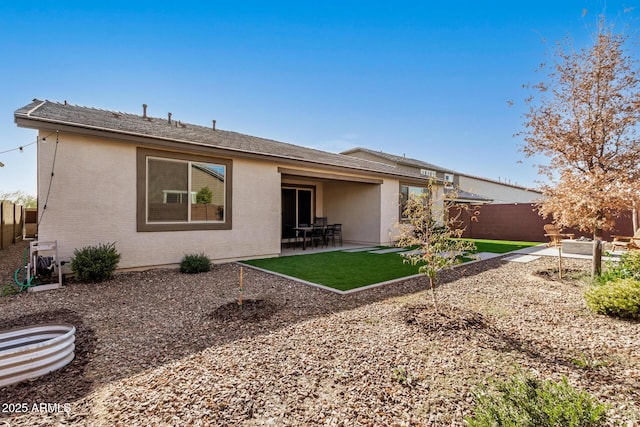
[162,348]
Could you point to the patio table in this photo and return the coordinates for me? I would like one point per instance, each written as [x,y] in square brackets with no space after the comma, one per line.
[304,235]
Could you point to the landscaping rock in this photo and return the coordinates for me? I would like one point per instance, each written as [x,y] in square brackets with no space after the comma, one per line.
[162,348]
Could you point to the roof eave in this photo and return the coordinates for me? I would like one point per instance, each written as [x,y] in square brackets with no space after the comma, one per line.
[31,122]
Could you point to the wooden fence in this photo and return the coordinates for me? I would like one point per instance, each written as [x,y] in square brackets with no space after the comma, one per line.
[521,222]
[11,223]
[31,223]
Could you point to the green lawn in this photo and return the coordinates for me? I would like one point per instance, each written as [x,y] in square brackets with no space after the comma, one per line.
[500,246]
[348,270]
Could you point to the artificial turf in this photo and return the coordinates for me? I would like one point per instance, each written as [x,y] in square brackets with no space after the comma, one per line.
[349,270]
[338,269]
[499,246]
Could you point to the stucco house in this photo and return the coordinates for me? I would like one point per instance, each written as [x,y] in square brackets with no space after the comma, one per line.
[470,189]
[499,191]
[139,181]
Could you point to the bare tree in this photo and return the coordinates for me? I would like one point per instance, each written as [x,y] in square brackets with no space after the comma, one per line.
[584,118]
[20,198]
[430,229]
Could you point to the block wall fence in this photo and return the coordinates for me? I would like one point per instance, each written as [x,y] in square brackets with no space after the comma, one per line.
[520,222]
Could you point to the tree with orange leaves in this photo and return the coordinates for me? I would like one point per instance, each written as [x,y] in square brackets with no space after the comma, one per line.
[585,119]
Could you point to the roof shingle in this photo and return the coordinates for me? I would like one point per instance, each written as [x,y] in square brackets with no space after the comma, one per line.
[52,113]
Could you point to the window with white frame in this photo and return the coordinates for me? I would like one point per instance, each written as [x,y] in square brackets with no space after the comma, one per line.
[427,172]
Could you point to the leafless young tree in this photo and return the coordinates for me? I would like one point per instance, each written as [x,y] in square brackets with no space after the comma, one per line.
[584,118]
[430,228]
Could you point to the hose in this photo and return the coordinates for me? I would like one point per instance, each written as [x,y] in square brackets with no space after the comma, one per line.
[24,283]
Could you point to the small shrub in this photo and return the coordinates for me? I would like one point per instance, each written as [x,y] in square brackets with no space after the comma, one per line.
[8,289]
[627,268]
[401,375]
[95,263]
[588,363]
[619,298]
[195,263]
[524,401]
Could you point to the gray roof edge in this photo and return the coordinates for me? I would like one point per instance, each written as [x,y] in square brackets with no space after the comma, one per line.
[26,114]
[407,161]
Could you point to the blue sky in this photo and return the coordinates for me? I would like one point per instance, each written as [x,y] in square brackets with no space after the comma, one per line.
[430,80]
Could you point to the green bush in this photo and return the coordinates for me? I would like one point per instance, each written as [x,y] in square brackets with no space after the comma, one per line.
[95,263]
[525,401]
[195,263]
[8,289]
[619,298]
[627,268]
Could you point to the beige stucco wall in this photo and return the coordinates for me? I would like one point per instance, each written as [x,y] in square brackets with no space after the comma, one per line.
[498,192]
[357,207]
[367,212]
[390,211]
[93,200]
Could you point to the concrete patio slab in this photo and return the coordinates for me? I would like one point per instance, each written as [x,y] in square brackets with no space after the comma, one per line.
[362,249]
[387,251]
[412,252]
[486,255]
[521,258]
[543,250]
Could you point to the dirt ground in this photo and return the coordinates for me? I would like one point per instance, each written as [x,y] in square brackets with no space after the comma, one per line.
[164,348]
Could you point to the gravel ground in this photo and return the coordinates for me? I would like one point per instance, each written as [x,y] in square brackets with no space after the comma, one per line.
[162,348]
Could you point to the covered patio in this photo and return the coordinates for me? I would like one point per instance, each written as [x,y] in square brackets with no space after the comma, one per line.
[354,202]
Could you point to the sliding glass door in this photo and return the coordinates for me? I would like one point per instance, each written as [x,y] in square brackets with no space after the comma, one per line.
[297,209]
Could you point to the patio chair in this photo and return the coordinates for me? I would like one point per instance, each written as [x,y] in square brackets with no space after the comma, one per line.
[334,231]
[301,236]
[555,235]
[626,242]
[318,235]
[320,221]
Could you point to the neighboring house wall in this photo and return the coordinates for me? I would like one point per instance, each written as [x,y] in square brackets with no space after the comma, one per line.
[216,185]
[500,193]
[94,201]
[483,188]
[440,174]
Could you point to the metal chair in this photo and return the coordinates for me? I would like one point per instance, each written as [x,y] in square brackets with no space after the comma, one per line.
[334,231]
[318,235]
[320,221]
